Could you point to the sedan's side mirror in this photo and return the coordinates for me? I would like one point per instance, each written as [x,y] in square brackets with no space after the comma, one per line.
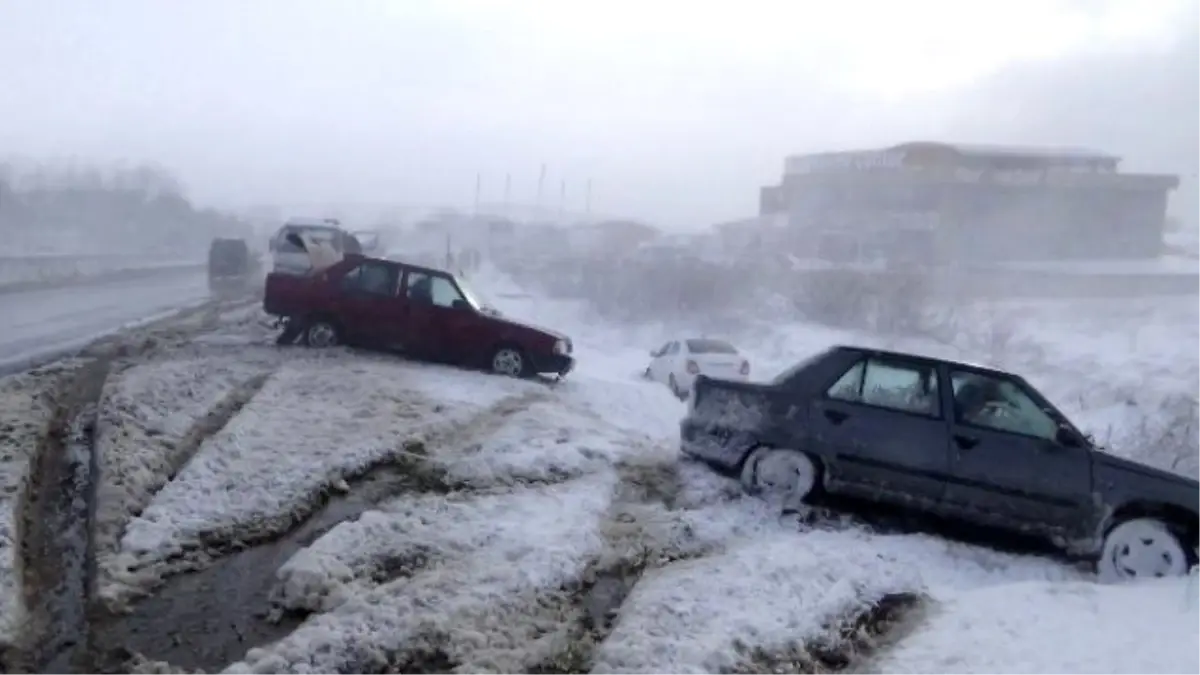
[1066,437]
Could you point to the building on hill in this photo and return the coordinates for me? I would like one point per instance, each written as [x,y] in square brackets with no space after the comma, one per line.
[941,202]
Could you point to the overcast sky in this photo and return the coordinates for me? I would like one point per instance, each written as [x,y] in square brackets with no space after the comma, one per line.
[677,111]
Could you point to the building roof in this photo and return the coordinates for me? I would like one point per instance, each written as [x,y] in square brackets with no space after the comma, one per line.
[1043,152]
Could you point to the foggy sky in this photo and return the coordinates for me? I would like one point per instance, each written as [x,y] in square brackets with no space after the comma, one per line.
[677,112]
[1142,104]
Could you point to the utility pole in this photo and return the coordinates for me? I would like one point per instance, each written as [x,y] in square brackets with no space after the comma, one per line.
[478,188]
[562,200]
[541,182]
[507,194]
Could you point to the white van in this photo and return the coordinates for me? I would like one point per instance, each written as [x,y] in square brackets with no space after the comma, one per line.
[324,239]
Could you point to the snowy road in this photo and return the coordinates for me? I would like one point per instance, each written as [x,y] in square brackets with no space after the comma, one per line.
[43,322]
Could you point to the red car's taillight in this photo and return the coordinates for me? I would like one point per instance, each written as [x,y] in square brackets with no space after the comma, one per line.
[745,367]
[692,368]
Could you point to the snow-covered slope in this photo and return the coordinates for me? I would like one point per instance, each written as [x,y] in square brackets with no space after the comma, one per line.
[555,528]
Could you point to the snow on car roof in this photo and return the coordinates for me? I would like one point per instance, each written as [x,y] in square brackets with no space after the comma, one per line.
[928,357]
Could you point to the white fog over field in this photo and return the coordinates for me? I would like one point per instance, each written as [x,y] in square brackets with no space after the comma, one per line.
[227,444]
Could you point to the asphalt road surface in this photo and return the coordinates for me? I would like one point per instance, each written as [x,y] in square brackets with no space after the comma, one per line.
[39,324]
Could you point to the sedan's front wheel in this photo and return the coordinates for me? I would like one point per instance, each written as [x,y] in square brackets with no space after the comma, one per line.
[1139,549]
[789,473]
[510,361]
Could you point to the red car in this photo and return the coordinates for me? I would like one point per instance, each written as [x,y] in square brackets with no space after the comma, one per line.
[425,312]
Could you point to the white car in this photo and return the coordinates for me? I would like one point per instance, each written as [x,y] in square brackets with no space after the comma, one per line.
[678,362]
[324,244]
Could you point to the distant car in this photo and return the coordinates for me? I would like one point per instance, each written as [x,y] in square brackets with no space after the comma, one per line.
[230,265]
[963,441]
[678,362]
[422,311]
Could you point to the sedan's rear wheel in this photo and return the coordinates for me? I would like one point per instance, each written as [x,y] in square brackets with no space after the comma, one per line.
[789,473]
[675,389]
[322,334]
[1142,548]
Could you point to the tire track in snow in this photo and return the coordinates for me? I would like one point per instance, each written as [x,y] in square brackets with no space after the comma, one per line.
[413,471]
[55,562]
[210,617]
[214,421]
[845,644]
[28,404]
[57,546]
[171,456]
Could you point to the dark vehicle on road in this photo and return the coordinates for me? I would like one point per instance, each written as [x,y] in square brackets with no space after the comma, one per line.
[425,312]
[961,441]
[231,267]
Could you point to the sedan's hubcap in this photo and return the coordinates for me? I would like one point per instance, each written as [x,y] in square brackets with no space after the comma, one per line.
[785,472]
[1147,554]
[507,362]
[322,335]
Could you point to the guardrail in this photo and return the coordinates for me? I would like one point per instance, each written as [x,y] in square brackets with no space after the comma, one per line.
[31,271]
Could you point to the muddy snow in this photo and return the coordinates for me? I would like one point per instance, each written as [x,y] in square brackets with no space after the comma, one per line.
[27,408]
[154,415]
[282,510]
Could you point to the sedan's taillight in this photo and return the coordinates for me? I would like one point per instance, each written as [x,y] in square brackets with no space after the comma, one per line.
[692,368]
[745,367]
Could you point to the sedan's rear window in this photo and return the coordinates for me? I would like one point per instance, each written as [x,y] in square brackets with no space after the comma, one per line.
[710,347]
[799,368]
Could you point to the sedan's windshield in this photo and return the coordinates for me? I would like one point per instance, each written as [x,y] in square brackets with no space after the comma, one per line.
[476,300]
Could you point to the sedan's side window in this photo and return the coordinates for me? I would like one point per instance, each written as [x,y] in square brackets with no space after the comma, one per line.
[661,351]
[673,348]
[371,278]
[999,404]
[895,385]
[444,292]
[849,385]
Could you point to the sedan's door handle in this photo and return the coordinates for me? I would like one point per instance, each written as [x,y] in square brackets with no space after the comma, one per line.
[835,416]
[966,442]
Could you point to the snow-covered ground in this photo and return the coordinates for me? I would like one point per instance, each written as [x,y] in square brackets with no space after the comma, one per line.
[27,408]
[317,421]
[152,417]
[1071,627]
[555,529]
